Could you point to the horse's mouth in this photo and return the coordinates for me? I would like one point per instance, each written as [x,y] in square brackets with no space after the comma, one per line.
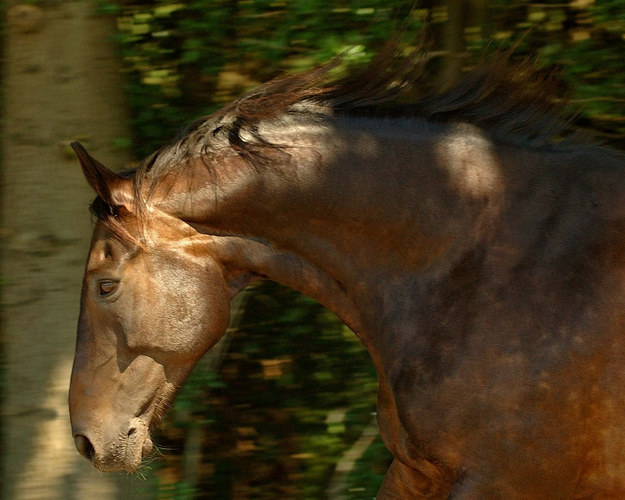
[137,445]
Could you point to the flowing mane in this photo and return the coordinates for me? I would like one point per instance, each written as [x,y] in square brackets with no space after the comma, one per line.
[513,103]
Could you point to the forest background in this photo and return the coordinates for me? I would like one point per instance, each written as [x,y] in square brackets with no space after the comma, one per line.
[285,408]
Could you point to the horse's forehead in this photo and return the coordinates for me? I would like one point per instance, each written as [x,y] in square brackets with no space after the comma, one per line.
[107,236]
[151,238]
[131,230]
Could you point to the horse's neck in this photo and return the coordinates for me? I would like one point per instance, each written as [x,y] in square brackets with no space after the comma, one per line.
[363,207]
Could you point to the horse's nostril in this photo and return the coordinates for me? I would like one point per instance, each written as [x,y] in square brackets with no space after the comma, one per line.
[84,447]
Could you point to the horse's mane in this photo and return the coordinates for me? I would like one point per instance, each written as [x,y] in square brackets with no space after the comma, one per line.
[513,102]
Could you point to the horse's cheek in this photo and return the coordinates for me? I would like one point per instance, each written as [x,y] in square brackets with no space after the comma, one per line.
[205,321]
[186,327]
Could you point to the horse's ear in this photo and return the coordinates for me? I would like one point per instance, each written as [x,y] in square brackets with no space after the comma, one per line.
[103,181]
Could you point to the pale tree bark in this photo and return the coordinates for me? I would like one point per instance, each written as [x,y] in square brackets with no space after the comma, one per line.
[60,82]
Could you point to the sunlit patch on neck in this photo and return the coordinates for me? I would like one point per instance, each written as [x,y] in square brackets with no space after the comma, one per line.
[470,163]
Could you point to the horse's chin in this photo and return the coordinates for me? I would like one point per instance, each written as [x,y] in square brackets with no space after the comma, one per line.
[134,457]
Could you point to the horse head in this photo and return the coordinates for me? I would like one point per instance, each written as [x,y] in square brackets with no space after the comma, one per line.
[154,300]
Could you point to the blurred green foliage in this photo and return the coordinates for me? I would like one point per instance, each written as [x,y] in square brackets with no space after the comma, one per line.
[295,390]
[189,58]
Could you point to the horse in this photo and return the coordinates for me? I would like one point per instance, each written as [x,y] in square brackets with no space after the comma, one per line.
[471,238]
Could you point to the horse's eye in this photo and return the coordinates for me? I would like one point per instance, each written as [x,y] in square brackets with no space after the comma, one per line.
[107,287]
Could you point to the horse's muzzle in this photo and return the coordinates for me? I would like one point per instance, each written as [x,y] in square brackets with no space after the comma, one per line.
[125,452]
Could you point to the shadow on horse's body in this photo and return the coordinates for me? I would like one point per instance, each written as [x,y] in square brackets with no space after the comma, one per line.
[478,256]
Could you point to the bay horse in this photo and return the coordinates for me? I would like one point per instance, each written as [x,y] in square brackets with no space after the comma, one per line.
[470,238]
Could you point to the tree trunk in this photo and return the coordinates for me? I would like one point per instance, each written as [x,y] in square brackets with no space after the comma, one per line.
[452,43]
[61,83]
